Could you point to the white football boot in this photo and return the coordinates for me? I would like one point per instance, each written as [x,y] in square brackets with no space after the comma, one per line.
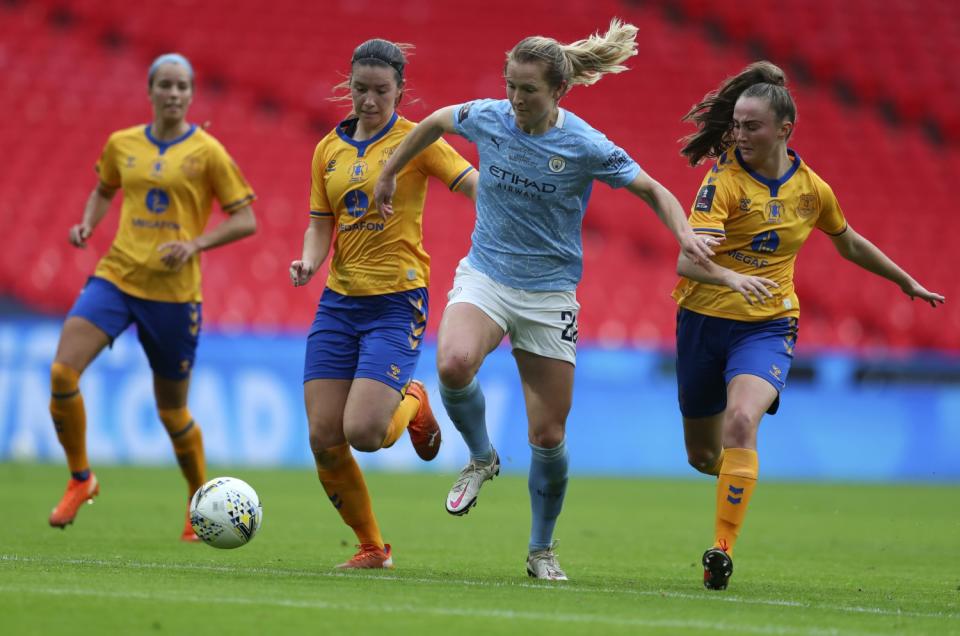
[464,493]
[542,564]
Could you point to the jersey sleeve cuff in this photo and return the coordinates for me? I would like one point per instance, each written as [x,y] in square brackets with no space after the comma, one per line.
[711,231]
[845,226]
[236,205]
[458,181]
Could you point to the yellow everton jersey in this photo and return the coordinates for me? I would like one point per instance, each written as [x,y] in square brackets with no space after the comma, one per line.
[168,190]
[765,222]
[373,256]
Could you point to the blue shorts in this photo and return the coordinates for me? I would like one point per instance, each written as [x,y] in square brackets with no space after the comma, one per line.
[168,332]
[375,337]
[712,351]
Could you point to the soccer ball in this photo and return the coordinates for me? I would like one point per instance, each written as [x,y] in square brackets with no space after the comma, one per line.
[225,512]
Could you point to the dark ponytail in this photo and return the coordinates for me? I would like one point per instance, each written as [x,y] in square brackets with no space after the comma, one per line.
[713,116]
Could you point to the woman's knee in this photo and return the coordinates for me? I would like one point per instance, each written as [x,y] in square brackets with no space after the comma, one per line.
[80,343]
[365,435]
[456,367]
[365,442]
[739,427]
[703,459]
[547,436]
[63,378]
[318,443]
[324,436]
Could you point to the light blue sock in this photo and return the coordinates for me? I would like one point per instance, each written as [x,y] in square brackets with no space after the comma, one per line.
[467,408]
[547,485]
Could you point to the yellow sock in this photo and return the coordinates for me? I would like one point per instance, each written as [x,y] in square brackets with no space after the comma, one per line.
[738,476]
[344,484]
[187,445]
[715,469]
[405,412]
[69,416]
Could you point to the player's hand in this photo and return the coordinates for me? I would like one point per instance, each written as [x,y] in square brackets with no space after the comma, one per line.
[383,194]
[698,249]
[916,290]
[177,253]
[301,273]
[711,241]
[79,234]
[752,288]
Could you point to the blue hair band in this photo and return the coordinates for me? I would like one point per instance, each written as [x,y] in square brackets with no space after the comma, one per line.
[169,58]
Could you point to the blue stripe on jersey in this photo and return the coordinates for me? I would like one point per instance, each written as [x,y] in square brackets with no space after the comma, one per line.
[456,182]
[710,230]
[772,184]
[163,145]
[239,203]
[362,146]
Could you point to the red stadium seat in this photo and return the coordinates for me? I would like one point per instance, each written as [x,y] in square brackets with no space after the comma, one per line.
[269,105]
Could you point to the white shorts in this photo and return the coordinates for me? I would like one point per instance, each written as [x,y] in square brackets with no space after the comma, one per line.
[543,323]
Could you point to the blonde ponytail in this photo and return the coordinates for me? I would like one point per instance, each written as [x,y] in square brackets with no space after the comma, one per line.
[581,62]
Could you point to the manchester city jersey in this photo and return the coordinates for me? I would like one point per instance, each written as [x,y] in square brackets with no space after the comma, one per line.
[372,255]
[533,193]
[765,221]
[168,191]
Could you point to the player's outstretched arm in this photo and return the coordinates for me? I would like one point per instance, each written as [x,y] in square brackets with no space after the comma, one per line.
[752,288]
[316,246]
[238,225]
[98,203]
[671,215]
[416,141]
[858,250]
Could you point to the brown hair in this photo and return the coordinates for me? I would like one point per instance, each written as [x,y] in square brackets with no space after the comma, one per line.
[377,52]
[581,62]
[713,115]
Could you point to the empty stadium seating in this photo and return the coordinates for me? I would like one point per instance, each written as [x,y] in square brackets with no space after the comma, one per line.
[72,75]
[897,51]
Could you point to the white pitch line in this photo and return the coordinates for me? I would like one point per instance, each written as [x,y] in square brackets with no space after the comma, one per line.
[538,617]
[552,587]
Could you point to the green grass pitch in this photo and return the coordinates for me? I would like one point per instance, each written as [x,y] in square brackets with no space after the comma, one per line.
[813,559]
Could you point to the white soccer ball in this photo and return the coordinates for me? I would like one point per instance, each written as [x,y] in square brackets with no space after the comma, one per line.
[225,512]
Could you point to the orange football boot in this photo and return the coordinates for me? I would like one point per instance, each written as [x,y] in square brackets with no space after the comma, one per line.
[424,430]
[76,494]
[369,557]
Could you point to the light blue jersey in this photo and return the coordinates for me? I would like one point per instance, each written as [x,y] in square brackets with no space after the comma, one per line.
[533,193]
